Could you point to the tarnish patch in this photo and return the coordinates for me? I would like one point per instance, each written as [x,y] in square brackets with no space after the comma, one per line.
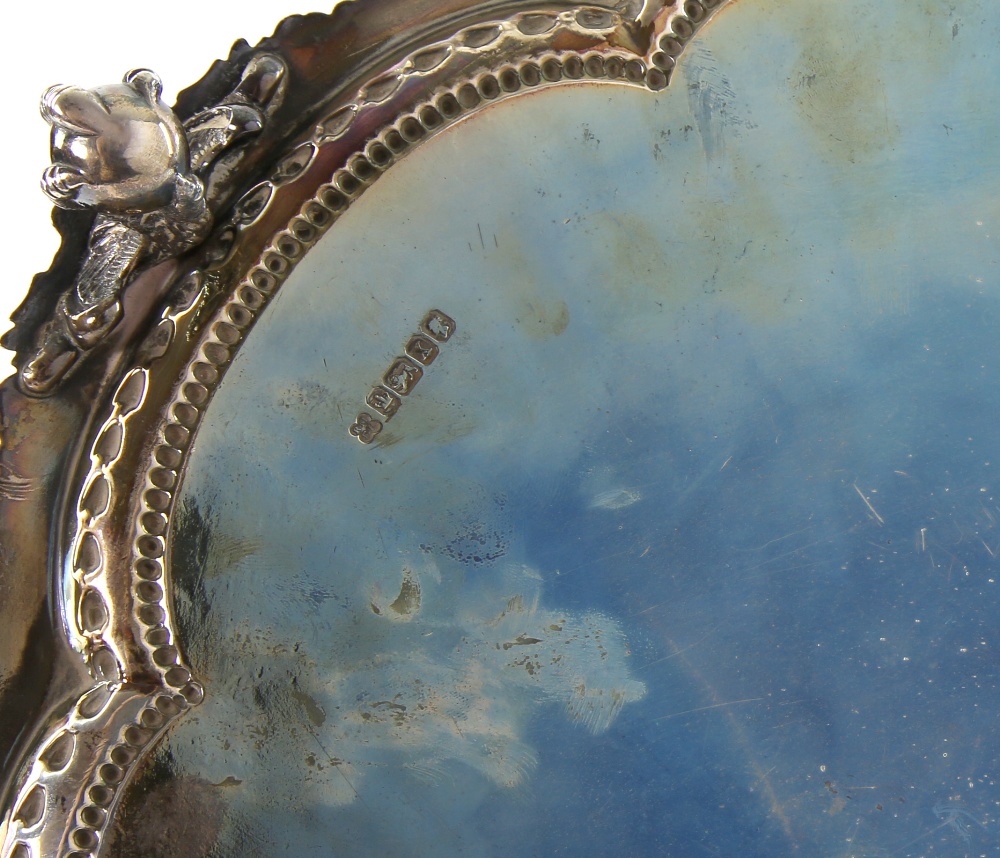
[405,606]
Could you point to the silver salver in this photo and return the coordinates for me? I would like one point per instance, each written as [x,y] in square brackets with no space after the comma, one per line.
[478,428]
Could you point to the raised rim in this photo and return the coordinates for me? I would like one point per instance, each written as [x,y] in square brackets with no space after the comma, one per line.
[120,677]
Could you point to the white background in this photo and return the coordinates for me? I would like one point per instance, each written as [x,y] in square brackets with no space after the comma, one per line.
[88,44]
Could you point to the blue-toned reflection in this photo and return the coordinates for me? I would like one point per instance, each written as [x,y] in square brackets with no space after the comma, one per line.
[685,542]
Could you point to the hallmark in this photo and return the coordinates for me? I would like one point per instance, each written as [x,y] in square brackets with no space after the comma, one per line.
[405,372]
[403,376]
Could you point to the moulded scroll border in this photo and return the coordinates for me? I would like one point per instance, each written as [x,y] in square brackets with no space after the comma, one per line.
[89,756]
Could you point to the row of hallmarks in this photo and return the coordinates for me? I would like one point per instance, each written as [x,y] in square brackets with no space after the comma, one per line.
[404,373]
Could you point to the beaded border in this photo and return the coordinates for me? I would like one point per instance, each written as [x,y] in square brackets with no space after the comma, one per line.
[78,751]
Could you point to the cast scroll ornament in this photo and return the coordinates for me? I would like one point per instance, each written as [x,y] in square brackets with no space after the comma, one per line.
[120,151]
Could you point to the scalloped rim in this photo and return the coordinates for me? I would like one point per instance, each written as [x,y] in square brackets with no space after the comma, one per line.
[461,77]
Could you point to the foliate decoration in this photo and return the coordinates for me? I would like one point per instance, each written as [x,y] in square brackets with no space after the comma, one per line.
[127,637]
[120,151]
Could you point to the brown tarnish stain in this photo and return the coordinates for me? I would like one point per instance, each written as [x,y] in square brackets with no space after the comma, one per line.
[538,309]
[521,640]
[541,319]
[636,251]
[408,600]
[874,228]
[313,763]
[314,711]
[839,78]
[188,813]
[748,238]
[846,111]
[843,85]
[405,606]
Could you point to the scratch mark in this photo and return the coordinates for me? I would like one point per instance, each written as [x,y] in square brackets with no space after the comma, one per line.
[13,486]
[768,788]
[786,536]
[361,478]
[868,504]
[706,708]
[678,652]
[774,426]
